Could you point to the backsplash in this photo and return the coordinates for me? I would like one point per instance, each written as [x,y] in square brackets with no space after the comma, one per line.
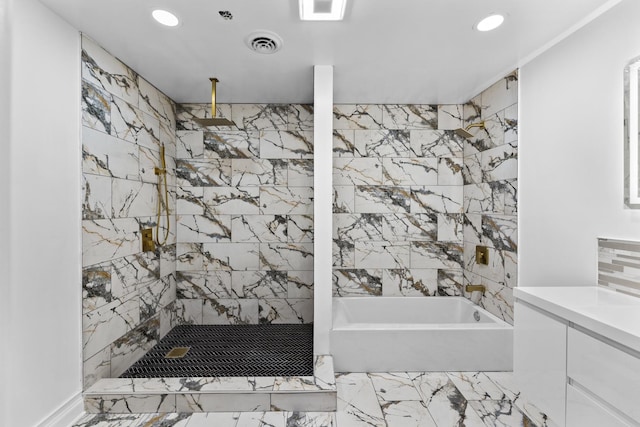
[245,215]
[619,265]
[127,293]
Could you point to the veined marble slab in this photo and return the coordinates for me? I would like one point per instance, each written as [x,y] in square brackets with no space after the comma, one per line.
[232,394]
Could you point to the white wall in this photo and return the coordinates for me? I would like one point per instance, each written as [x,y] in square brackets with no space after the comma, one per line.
[322,207]
[44,243]
[571,151]
[5,51]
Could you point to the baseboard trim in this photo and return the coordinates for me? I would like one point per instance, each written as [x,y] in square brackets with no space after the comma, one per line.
[66,414]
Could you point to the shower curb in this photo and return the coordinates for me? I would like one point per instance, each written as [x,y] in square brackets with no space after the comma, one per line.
[315,393]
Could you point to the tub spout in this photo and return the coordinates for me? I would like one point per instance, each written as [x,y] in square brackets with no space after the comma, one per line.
[477,292]
[473,288]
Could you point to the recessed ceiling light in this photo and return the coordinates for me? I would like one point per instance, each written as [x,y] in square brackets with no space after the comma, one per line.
[165,17]
[491,22]
[322,10]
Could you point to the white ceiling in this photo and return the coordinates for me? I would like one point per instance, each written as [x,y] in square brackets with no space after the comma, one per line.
[385,51]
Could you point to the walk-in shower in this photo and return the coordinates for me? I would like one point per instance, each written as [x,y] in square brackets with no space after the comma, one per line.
[219,350]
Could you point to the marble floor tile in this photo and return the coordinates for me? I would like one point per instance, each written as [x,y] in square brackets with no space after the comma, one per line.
[282,419]
[357,401]
[172,419]
[407,413]
[260,419]
[218,419]
[311,419]
[506,382]
[476,386]
[447,406]
[500,413]
[109,420]
[393,386]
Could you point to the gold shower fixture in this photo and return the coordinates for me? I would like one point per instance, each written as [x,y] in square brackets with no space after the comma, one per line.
[474,288]
[163,197]
[465,132]
[214,121]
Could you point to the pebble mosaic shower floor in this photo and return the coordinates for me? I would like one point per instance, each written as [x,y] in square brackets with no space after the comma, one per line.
[230,351]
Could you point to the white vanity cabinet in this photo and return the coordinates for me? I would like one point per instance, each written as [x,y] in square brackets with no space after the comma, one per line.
[610,374]
[540,359]
[584,411]
[577,355]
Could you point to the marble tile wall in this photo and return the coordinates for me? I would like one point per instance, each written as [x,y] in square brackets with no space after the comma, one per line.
[619,265]
[245,215]
[398,200]
[128,294]
[412,199]
[491,194]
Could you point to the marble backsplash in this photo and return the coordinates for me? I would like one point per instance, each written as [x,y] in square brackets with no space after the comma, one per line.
[245,215]
[128,294]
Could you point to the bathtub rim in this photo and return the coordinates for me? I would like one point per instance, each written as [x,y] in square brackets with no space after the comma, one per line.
[496,322]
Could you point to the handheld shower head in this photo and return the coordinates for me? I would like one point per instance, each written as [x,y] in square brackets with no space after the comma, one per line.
[214,121]
[465,132]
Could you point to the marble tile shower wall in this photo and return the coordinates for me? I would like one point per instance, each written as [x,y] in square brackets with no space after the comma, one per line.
[398,200]
[491,194]
[245,215]
[412,199]
[128,294]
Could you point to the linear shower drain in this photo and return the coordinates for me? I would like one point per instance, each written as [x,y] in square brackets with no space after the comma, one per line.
[177,353]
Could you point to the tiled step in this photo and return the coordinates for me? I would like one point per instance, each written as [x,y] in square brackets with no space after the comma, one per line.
[216,394]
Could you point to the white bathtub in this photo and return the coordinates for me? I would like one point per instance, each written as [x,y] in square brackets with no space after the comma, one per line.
[387,334]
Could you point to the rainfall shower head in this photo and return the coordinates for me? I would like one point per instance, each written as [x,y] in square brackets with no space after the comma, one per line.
[214,121]
[465,132]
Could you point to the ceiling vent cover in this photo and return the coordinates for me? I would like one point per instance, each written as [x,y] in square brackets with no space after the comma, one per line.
[264,42]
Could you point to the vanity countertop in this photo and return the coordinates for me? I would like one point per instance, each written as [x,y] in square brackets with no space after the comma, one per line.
[612,314]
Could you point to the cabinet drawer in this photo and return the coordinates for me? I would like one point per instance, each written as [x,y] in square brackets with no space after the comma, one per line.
[583,411]
[609,373]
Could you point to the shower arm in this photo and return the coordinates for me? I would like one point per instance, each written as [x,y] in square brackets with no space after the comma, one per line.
[475,125]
